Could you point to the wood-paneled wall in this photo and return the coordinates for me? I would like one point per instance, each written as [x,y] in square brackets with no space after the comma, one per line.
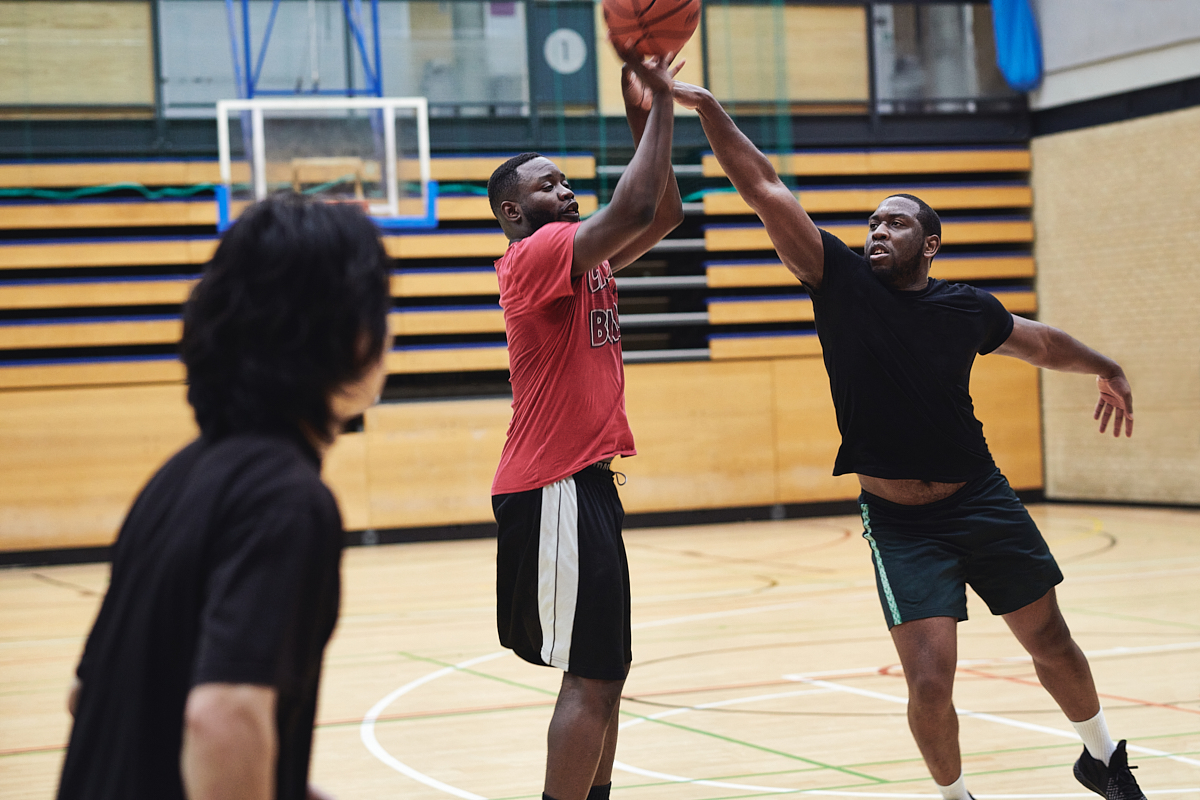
[1117,268]
[709,434]
[76,53]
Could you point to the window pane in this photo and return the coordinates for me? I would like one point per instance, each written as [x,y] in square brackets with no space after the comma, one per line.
[936,58]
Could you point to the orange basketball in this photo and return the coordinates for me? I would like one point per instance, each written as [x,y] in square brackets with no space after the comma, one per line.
[657,27]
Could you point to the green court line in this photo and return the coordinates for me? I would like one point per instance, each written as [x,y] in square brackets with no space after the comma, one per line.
[33,751]
[816,765]
[677,726]
[1127,618]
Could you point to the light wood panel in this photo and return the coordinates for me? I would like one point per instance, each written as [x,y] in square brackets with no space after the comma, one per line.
[754,237]
[106,254]
[1006,395]
[806,432]
[411,322]
[344,470]
[984,267]
[463,358]
[76,53]
[180,173]
[704,435]
[431,463]
[952,268]
[129,214]
[471,207]
[444,282]
[478,168]
[73,459]
[90,334]
[92,373]
[451,244]
[777,53]
[890,162]
[733,312]
[782,345]
[771,273]
[749,431]
[62,174]
[867,199]
[85,293]
[1018,302]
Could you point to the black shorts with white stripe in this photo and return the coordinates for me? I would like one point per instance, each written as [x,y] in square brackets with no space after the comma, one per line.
[562,579]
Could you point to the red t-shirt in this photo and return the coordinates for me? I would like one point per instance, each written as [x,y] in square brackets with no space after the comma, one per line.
[564,353]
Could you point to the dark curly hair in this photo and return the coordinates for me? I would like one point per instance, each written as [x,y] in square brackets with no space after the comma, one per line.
[292,306]
[503,183]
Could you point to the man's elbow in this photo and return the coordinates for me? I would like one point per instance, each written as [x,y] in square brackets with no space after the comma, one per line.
[671,218]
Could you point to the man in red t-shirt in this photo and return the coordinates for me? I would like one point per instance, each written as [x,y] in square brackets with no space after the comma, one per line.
[562,584]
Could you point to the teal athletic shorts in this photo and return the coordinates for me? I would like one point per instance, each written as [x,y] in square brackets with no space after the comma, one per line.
[981,535]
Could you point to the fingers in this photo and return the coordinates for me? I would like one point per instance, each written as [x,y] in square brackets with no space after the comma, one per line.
[675,69]
[1128,426]
[1099,407]
[1104,418]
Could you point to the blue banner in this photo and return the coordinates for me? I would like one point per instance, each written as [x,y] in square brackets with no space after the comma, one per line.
[1018,44]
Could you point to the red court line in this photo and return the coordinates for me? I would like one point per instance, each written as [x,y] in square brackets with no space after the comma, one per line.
[20,751]
[1134,700]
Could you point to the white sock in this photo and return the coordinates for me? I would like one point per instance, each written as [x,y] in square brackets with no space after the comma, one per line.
[1094,733]
[955,791]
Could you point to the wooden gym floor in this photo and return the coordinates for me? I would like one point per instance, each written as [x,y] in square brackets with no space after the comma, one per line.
[761,666]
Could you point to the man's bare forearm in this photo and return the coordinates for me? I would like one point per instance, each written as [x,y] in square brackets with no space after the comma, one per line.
[1062,352]
[647,174]
[229,743]
[744,164]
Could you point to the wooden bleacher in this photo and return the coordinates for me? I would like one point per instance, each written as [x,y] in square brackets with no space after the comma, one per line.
[86,384]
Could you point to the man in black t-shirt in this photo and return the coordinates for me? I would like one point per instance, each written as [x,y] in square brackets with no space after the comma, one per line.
[936,511]
[199,678]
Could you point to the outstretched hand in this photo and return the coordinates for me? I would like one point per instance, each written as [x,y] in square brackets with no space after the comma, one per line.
[634,90]
[689,96]
[1115,396]
[654,74]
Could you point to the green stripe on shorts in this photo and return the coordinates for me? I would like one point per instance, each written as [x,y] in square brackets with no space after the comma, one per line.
[883,578]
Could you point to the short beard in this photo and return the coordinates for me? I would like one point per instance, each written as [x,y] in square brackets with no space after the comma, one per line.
[899,274]
[537,218]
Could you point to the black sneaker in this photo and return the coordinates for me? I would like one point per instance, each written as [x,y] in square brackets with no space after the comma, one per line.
[1114,782]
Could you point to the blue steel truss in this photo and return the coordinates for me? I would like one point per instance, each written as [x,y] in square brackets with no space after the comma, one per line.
[243,56]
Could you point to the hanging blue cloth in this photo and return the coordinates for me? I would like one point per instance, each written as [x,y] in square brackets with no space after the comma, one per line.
[1018,45]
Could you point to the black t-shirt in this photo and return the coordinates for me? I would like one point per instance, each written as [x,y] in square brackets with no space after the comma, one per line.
[225,571]
[899,367]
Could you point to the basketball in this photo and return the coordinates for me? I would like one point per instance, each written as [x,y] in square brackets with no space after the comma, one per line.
[657,27]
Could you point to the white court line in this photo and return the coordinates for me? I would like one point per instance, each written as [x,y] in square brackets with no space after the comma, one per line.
[367,729]
[718,704]
[962,712]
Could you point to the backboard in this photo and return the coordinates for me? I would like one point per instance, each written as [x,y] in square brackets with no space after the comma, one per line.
[372,151]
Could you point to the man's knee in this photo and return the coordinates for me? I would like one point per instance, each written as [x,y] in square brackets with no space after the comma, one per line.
[600,696]
[930,687]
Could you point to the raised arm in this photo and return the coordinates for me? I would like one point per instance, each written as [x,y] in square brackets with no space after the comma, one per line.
[616,228]
[793,233]
[1050,348]
[669,211]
